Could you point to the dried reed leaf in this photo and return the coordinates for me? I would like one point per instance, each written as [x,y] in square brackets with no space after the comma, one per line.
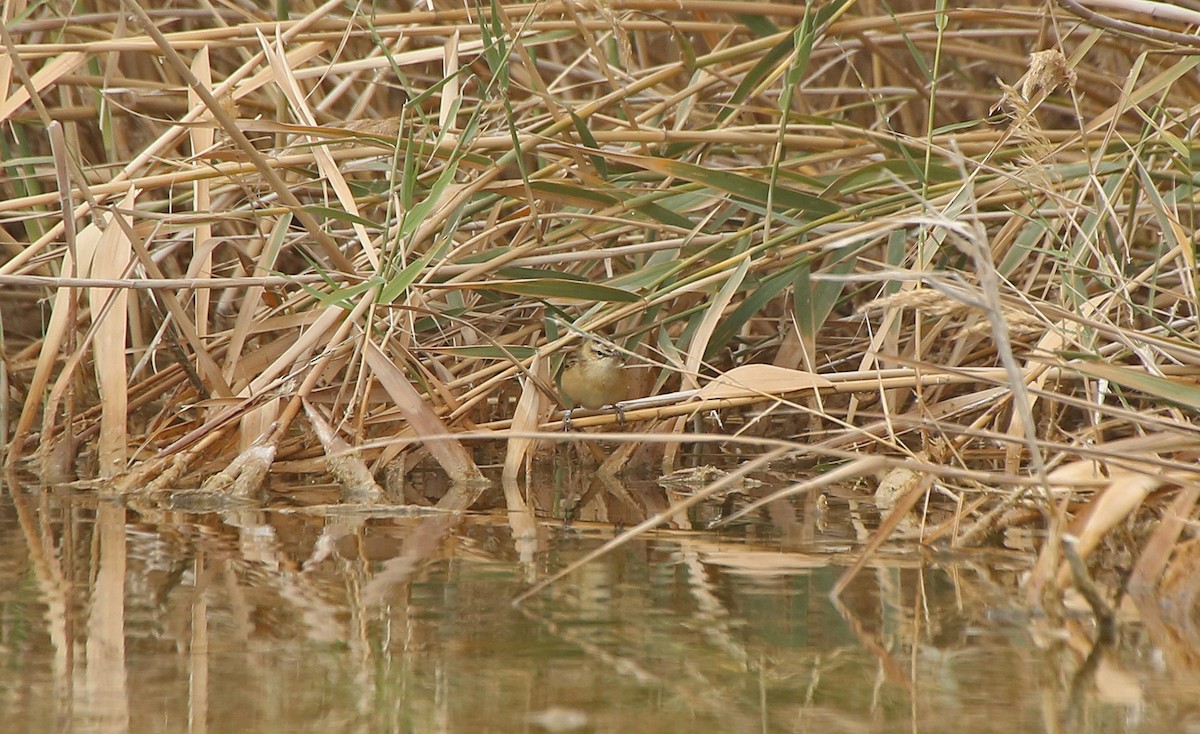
[110,312]
[1156,553]
[450,90]
[296,58]
[712,317]
[435,435]
[255,424]
[761,379]
[532,408]
[286,81]
[43,79]
[1124,494]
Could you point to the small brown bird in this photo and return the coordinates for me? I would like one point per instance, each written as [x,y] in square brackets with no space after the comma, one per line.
[596,378]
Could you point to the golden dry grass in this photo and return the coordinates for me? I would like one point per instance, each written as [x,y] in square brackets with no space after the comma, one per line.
[966,239]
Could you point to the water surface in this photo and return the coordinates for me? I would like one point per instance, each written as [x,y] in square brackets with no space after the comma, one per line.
[170,614]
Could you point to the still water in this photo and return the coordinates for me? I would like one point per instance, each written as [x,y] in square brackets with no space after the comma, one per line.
[172,615]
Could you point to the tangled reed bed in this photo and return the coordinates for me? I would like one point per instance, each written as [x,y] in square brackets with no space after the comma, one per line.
[959,244]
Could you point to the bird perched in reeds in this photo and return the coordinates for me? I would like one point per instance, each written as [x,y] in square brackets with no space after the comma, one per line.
[593,379]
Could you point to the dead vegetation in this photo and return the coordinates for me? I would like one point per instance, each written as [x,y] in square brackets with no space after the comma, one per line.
[962,244]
